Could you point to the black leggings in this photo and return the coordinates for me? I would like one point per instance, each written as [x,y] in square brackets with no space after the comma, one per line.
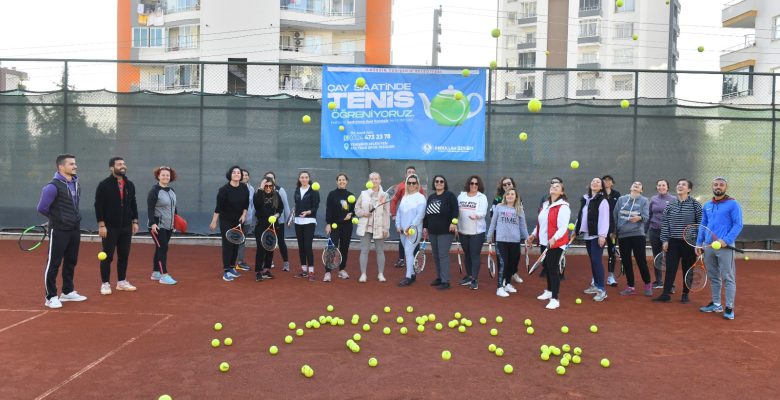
[550,264]
[472,249]
[63,246]
[263,257]
[678,249]
[282,244]
[229,250]
[508,258]
[161,240]
[635,244]
[342,237]
[305,235]
[119,239]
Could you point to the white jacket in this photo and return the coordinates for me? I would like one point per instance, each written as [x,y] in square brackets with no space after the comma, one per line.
[468,206]
[379,219]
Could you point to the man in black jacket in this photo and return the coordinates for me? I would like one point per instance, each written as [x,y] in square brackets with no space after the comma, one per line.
[60,204]
[117,217]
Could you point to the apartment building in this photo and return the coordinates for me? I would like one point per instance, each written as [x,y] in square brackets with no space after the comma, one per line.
[290,32]
[589,35]
[759,51]
[11,78]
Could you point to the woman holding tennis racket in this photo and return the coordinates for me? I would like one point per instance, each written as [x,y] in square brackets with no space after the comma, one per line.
[631,212]
[594,210]
[658,204]
[161,209]
[552,231]
[230,212]
[373,210]
[439,226]
[268,207]
[408,222]
[472,207]
[307,201]
[339,209]
[685,210]
[281,244]
[508,223]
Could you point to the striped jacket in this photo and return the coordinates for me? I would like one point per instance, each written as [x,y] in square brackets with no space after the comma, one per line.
[677,215]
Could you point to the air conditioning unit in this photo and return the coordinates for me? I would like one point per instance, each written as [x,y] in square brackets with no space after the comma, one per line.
[298,35]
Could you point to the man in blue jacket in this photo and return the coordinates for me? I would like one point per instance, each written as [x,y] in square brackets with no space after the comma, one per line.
[723,216]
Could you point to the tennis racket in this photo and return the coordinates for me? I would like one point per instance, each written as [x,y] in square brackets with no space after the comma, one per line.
[459,251]
[659,261]
[527,257]
[420,258]
[235,235]
[693,231]
[268,239]
[292,217]
[491,260]
[696,277]
[331,256]
[562,260]
[32,237]
[538,262]
[179,223]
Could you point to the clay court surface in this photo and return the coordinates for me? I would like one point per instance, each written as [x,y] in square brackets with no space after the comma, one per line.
[157,340]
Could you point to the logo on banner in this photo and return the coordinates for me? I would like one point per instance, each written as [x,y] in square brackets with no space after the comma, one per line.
[450,107]
[427,148]
[346,146]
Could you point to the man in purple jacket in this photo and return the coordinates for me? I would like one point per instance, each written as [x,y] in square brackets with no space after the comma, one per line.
[60,204]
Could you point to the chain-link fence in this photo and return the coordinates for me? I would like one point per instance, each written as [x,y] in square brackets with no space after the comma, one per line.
[202,117]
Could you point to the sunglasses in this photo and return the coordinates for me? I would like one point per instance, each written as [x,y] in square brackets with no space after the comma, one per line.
[269,186]
[411,183]
[474,183]
[438,181]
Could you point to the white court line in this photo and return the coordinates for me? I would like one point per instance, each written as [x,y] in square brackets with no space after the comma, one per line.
[101,359]
[91,312]
[26,320]
[748,331]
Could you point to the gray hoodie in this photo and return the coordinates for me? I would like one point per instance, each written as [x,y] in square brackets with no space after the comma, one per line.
[626,208]
[508,226]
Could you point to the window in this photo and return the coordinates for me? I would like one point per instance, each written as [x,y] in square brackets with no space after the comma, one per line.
[300,77]
[628,6]
[511,41]
[511,16]
[623,83]
[509,89]
[776,28]
[342,7]
[624,56]
[312,44]
[527,86]
[182,76]
[624,30]
[236,76]
[140,37]
[589,27]
[183,37]
[526,60]
[527,9]
[738,85]
[589,58]
[155,37]
[174,6]
[590,5]
[285,43]
[347,46]
[587,82]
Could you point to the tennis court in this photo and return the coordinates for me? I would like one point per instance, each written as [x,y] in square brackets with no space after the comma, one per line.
[157,340]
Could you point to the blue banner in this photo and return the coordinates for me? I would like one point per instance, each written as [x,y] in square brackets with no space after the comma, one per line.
[403,113]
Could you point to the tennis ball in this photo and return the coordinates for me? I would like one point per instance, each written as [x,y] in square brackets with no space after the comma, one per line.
[556,351]
[454,221]
[218,326]
[315,325]
[560,370]
[469,323]
[420,328]
[446,355]
[483,320]
[493,64]
[545,356]
[534,105]
[458,315]
[499,352]
[547,52]
[576,359]
[495,32]
[355,348]
[404,330]
[351,199]
[165,397]
[400,319]
[321,319]
[465,72]
[356,337]
[565,329]
[372,362]
[366,327]
[308,324]
[224,367]
[386,330]
[350,343]
[700,49]
[565,361]
[438,326]
[494,332]
[315,186]
[102,255]
[332,105]
[635,37]
[288,339]
[228,342]
[330,308]
[341,128]
[340,322]
[452,324]
[291,325]
[492,348]
[409,308]
[575,164]
[335,321]
[747,258]
[578,300]
[463,321]
[527,322]
[462,329]
[308,372]
[387,309]
[334,225]
[508,369]
[594,328]
[431,317]
[360,82]
[571,226]
[355,220]
[458,95]
[529,330]
[306,119]
[419,321]
[667,2]
[605,363]
[411,232]
[273,350]
[369,185]
[619,3]
[374,318]
[624,103]
[716,245]
[577,351]
[523,136]
[499,319]
[214,342]
[544,348]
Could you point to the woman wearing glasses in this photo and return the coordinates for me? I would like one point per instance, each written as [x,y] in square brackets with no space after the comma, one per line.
[339,211]
[373,211]
[441,209]
[408,222]
[472,208]
[267,203]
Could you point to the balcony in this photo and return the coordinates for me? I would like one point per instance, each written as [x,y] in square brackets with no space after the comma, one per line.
[742,55]
[739,14]
[318,15]
[526,19]
[589,39]
[526,43]
[590,9]
[589,62]
[588,92]
[294,55]
[525,94]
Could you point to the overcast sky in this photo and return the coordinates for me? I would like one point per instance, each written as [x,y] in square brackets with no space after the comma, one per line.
[63,30]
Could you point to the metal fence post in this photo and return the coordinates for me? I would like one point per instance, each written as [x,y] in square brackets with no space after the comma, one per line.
[200,137]
[65,108]
[488,136]
[636,118]
[772,162]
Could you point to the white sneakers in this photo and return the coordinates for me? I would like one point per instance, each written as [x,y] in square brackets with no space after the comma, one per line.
[381,278]
[343,274]
[105,288]
[125,286]
[509,288]
[517,278]
[501,292]
[546,295]
[72,296]
[553,304]
[326,277]
[362,278]
[53,303]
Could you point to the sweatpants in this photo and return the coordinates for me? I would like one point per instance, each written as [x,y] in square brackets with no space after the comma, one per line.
[550,265]
[409,248]
[472,249]
[596,265]
[721,272]
[379,247]
[63,246]
[401,253]
[657,247]
[635,244]
[342,237]
[440,248]
[508,255]
[678,250]
[263,257]
[161,240]
[119,239]
[242,247]
[305,235]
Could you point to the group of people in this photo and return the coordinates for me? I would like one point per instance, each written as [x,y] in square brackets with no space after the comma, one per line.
[604,219]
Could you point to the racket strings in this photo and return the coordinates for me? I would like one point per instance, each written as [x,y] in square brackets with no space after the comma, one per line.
[696,278]
[268,240]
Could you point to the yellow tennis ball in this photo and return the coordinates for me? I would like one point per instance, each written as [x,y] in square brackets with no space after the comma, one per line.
[495,32]
[438,326]
[494,332]
[271,219]
[527,322]
[315,186]
[458,95]
[619,3]
[315,324]
[635,37]
[102,255]
[372,362]
[454,221]
[566,348]
[386,330]
[556,351]
[218,326]
[360,82]
[463,321]
[523,136]
[409,309]
[716,245]
[492,348]
[462,329]
[594,328]
[545,356]
[466,72]
[420,328]
[483,320]
[355,221]
[404,330]
[411,232]
[288,339]
[330,308]
[560,370]
[576,359]
[341,128]
[334,225]
[508,369]
[547,52]
[309,372]
[535,105]
[374,318]
[369,185]
[458,315]
[351,199]
[565,329]
[400,319]
[747,258]
[332,105]
[469,323]
[299,332]
[224,367]
[431,317]
[578,300]
[544,348]
[577,351]
[306,119]
[446,355]
[575,164]
[624,103]
[356,337]
[565,361]
[228,342]
[165,397]
[499,319]
[529,330]
[571,226]
[387,309]
[605,363]
[291,325]
[214,342]
[321,319]
[366,327]
[499,352]
[493,64]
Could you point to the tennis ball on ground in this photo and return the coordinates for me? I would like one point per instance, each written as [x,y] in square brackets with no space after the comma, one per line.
[494,332]
[483,320]
[315,324]
[291,325]
[431,317]
[624,103]
[523,136]
[308,372]
[165,397]
[576,359]
[273,350]
[574,164]
[328,319]
[360,82]
[578,300]
[288,339]
[404,330]
[508,369]
[565,361]
[544,348]
[594,328]
[635,37]
[332,105]
[350,343]
[387,309]
[356,337]
[306,119]
[341,128]
[224,367]
[565,329]
[446,355]
[420,328]
[228,342]
[369,185]
[340,322]
[493,64]
[469,323]
[351,199]
[334,226]
[355,348]
[374,318]
[619,3]
[499,319]
[334,321]
[299,332]
[315,186]
[556,351]
[495,32]
[462,329]
[452,324]
[535,105]
[102,255]
[214,342]
[499,352]
[454,221]
[465,72]
[372,362]
[492,348]
[321,319]
[463,321]
[701,49]
[438,326]
[605,363]
[560,370]
[747,258]
[409,309]
[400,319]
[419,321]
[458,315]
[545,356]
[716,245]
[527,322]
[330,308]
[366,327]
[529,330]
[386,330]
[308,324]
[566,348]
[577,351]
[218,326]
[458,95]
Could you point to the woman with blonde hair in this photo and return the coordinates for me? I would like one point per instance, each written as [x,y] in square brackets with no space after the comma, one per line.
[508,223]
[373,211]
